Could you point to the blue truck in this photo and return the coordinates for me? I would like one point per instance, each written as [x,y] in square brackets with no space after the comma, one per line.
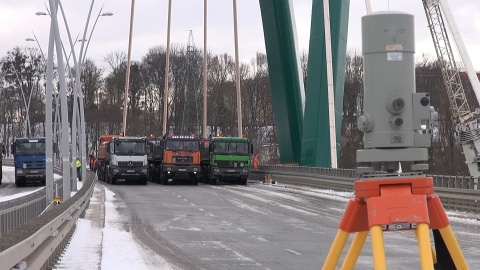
[29,159]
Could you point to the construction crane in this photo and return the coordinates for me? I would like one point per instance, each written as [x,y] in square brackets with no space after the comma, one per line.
[439,17]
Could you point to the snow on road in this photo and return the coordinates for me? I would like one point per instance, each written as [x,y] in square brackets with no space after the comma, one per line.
[9,178]
[103,241]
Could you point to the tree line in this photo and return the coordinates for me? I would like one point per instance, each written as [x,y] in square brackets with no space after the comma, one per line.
[22,93]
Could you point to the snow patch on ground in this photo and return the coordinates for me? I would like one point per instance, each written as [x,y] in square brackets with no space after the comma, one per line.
[112,246]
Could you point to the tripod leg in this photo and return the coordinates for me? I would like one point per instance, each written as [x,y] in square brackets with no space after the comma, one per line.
[453,248]
[354,251]
[423,236]
[378,249]
[432,250]
[336,250]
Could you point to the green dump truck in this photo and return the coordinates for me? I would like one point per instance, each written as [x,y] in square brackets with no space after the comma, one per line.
[226,159]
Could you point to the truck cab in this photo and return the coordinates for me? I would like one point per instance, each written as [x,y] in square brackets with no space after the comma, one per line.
[228,160]
[181,159]
[128,160]
[29,160]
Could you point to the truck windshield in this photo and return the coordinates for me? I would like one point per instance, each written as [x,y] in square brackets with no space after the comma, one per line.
[178,145]
[30,148]
[130,148]
[231,148]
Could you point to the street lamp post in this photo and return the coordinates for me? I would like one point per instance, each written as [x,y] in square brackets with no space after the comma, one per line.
[57,109]
[55,39]
[81,60]
[78,110]
[26,128]
[100,14]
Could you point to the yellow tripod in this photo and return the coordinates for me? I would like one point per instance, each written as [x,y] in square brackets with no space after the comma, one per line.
[392,205]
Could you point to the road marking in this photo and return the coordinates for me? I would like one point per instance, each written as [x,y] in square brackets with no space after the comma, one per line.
[186,229]
[185,200]
[201,209]
[293,252]
[192,204]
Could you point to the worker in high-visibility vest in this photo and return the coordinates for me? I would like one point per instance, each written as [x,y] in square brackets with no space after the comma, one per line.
[78,164]
[79,169]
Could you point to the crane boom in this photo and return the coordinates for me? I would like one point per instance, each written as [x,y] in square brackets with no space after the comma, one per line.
[450,72]
[466,120]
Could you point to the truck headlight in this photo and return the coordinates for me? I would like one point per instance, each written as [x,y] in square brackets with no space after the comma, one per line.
[195,169]
[24,165]
[244,170]
[116,170]
[144,170]
[168,168]
[19,171]
[216,170]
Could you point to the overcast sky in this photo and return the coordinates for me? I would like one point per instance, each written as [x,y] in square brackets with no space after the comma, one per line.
[150,25]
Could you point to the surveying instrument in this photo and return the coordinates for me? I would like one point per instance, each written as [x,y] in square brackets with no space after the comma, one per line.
[396,125]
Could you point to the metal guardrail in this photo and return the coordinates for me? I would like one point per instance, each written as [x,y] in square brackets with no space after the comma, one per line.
[15,212]
[39,240]
[455,192]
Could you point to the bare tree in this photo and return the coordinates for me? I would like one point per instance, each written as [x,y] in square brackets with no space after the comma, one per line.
[23,71]
[352,106]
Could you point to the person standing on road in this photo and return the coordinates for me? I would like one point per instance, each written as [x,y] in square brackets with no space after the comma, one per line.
[255,162]
[79,169]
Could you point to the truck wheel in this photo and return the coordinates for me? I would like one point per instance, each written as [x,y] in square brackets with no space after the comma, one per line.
[195,181]
[243,181]
[163,179]
[157,176]
[144,181]
[19,182]
[113,181]
[213,181]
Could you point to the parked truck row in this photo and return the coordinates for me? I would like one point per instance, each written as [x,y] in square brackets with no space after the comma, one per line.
[164,160]
[173,159]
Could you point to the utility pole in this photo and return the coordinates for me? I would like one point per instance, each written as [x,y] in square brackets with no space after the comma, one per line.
[127,81]
[167,71]
[237,68]
[205,71]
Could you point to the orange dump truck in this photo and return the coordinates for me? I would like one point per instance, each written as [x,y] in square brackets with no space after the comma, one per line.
[103,156]
[181,159]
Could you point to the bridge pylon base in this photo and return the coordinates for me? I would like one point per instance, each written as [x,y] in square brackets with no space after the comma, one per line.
[392,205]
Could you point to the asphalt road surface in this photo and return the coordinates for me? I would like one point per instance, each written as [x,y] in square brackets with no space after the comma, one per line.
[258,227]
[252,227]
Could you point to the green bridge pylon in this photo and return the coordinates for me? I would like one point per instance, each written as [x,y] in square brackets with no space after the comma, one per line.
[302,123]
